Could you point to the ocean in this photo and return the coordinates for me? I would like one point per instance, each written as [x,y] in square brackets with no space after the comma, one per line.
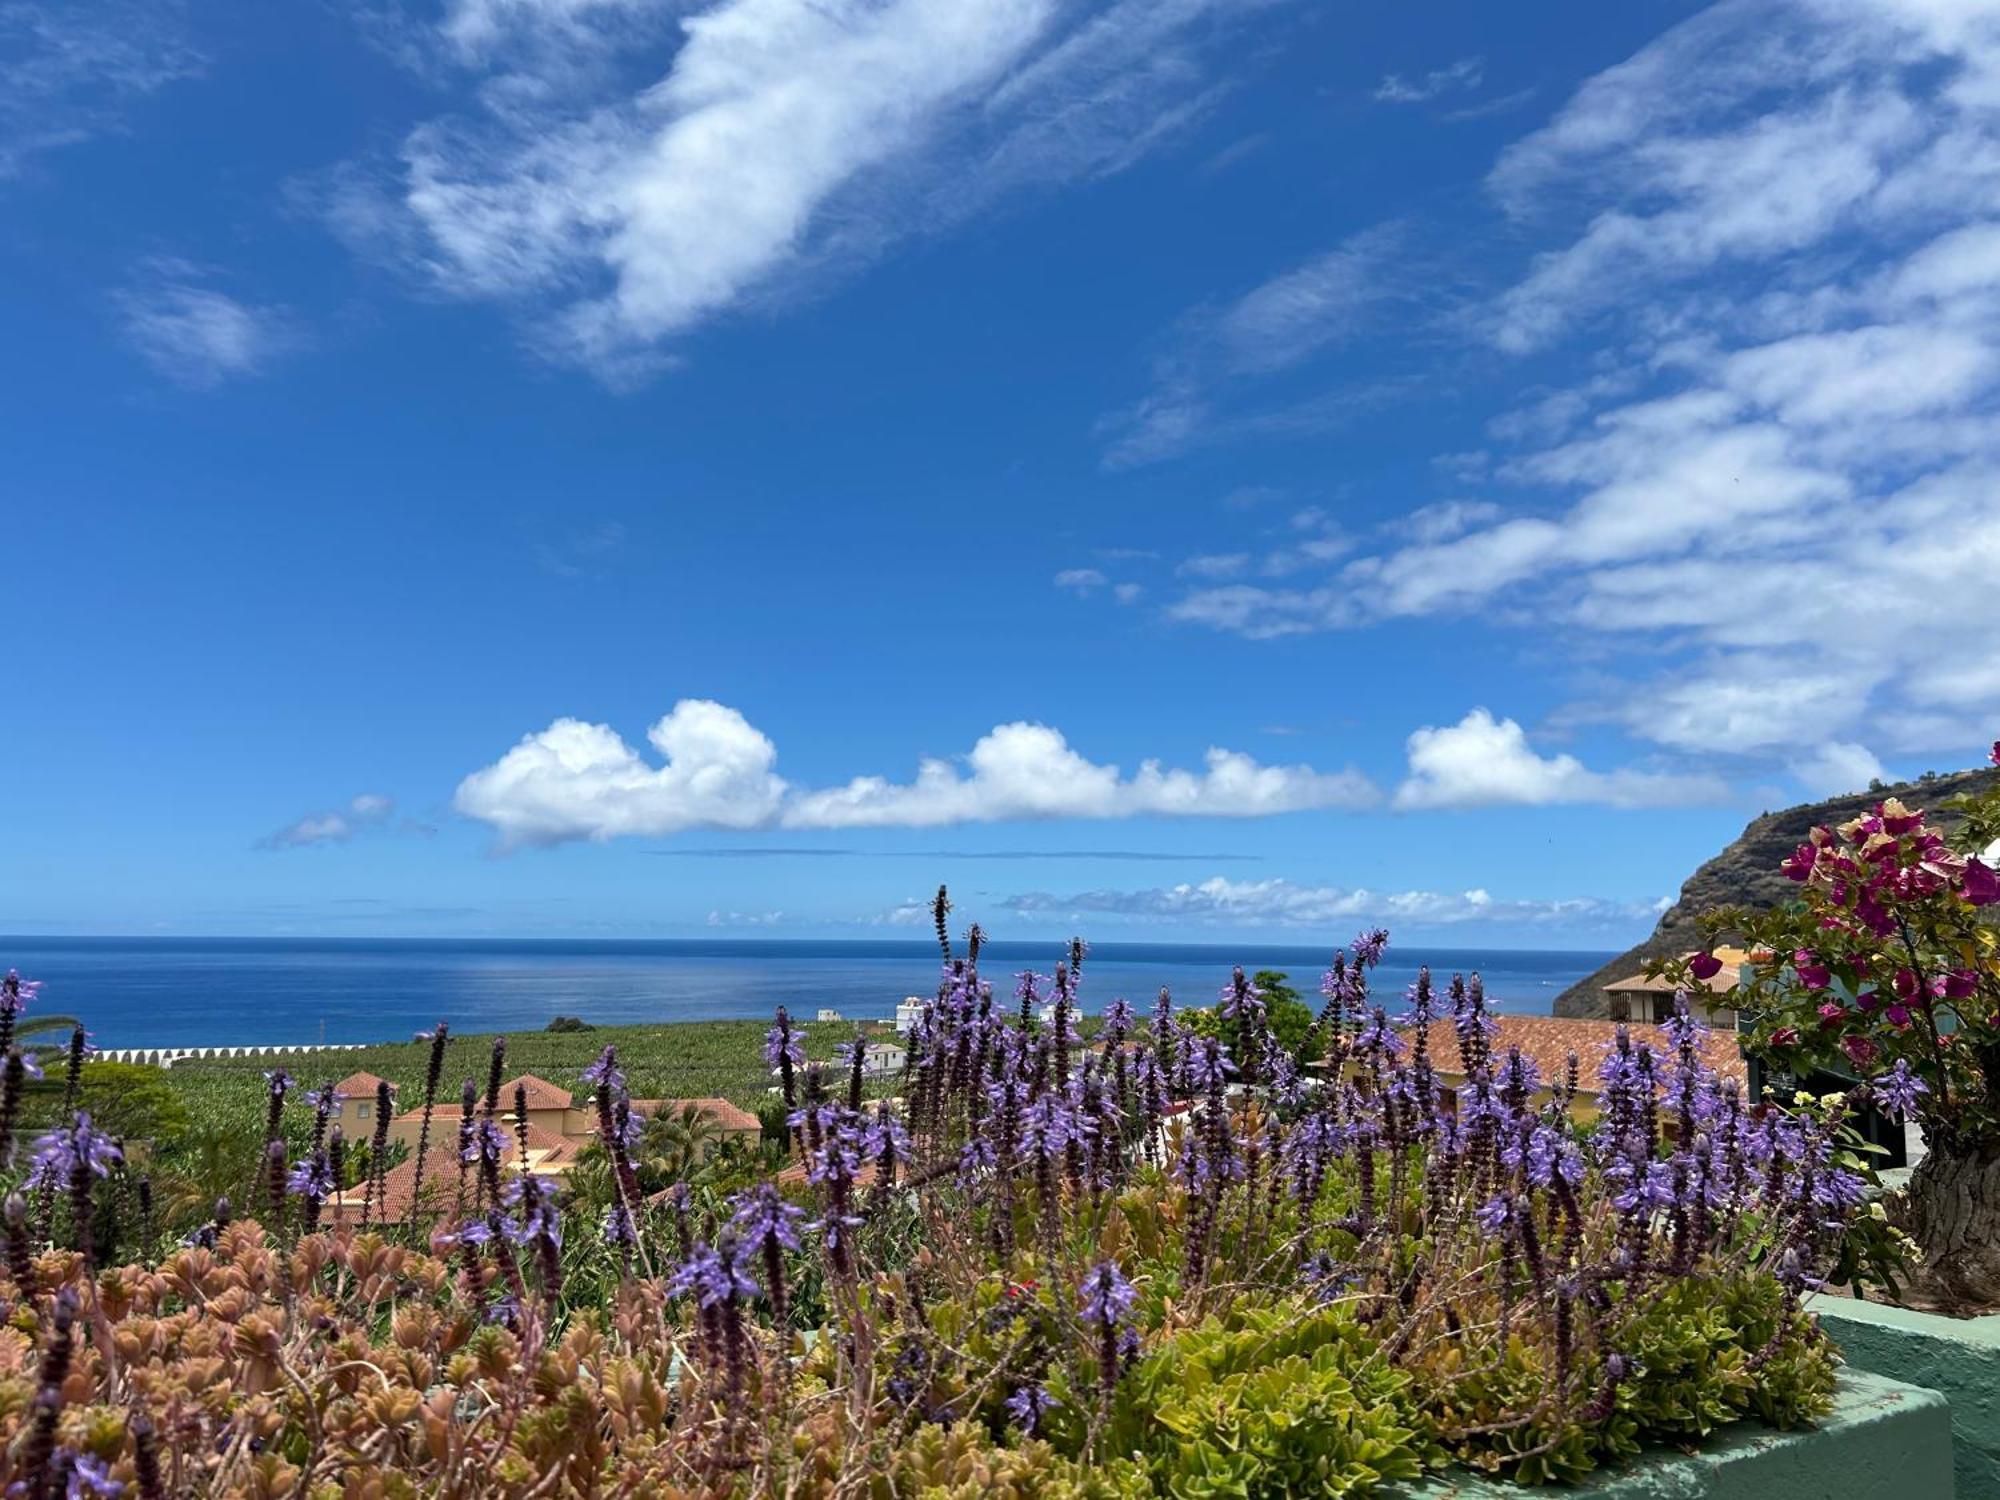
[173,992]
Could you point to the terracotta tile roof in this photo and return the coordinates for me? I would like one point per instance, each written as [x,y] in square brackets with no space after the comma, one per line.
[1719,984]
[541,1093]
[360,1086]
[549,1155]
[720,1113]
[1547,1041]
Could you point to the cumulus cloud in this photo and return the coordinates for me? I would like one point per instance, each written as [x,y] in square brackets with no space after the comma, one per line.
[576,780]
[1282,903]
[1482,761]
[370,810]
[785,141]
[195,335]
[1030,771]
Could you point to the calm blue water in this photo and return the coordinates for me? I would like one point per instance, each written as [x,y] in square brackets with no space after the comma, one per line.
[149,992]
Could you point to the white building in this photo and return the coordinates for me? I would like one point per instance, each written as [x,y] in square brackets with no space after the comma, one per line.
[826,1014]
[883,1059]
[909,1012]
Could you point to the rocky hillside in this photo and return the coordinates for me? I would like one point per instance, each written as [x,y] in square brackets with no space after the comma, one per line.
[1746,874]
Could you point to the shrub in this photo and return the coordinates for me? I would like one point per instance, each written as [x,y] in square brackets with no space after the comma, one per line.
[1177,1264]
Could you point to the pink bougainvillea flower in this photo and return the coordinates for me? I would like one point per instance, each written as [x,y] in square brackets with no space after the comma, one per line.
[1994,754]
[1905,984]
[1799,866]
[1813,974]
[1831,1014]
[1704,966]
[1982,885]
[1958,984]
[1785,1036]
[1859,1049]
[1898,819]
[1898,1015]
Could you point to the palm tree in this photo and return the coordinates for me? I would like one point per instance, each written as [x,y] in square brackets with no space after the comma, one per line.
[675,1146]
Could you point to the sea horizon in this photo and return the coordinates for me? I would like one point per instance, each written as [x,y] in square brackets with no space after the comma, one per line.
[169,991]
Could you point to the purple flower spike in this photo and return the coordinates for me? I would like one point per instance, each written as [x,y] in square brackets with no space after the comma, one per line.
[1107,1297]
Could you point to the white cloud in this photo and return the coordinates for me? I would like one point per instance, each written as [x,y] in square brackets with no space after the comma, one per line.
[745,918]
[1466,73]
[1214,565]
[1323,303]
[1128,593]
[195,335]
[1790,415]
[786,140]
[1836,768]
[575,780]
[1281,903]
[367,811]
[1081,580]
[1025,770]
[71,71]
[1482,761]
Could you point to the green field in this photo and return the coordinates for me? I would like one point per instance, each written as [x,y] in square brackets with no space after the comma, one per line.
[685,1060]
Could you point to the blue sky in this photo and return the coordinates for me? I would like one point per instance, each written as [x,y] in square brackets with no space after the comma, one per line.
[1166,467]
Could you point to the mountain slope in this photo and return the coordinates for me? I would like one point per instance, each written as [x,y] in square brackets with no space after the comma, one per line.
[1746,874]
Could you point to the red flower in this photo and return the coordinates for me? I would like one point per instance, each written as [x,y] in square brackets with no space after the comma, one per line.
[1704,966]
[1831,1014]
[1785,1036]
[1859,1049]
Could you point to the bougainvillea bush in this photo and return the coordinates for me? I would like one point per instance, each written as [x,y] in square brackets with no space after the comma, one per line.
[1887,969]
[1160,1263]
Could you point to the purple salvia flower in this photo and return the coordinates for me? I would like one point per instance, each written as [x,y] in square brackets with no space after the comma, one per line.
[1898,1090]
[1028,1404]
[1106,1297]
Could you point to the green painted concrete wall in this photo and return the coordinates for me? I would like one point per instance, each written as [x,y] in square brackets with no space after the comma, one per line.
[1884,1441]
[1958,1356]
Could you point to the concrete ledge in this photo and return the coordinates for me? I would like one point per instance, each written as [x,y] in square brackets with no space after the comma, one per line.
[1958,1356]
[1883,1441]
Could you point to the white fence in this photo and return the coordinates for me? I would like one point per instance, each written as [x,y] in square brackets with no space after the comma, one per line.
[166,1057]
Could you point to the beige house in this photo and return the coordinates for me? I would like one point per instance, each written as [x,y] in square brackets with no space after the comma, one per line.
[557,1129]
[354,1099]
[1644,1001]
[1549,1041]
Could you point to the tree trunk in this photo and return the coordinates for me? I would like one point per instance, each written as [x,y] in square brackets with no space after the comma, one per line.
[1952,1211]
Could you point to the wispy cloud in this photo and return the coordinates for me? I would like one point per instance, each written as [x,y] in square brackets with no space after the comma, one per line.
[1321,304]
[1791,303]
[195,335]
[370,810]
[786,140]
[73,70]
[1466,73]
[1219,901]
[1111,856]
[581,553]
[575,780]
